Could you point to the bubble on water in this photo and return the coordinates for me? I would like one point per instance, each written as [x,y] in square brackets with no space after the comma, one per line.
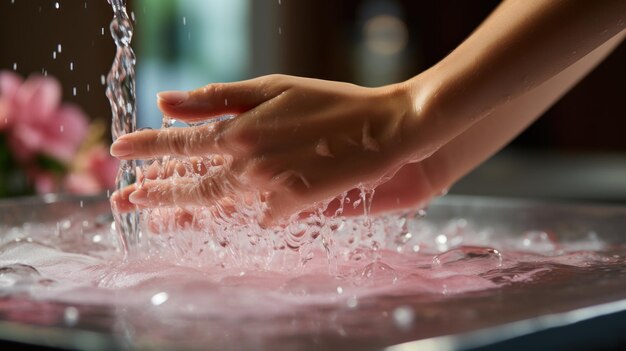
[470,258]
[71,316]
[538,241]
[441,239]
[403,317]
[352,302]
[159,298]
[15,274]
[377,273]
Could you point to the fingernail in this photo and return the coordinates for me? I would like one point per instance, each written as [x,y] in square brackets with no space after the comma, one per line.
[121,148]
[138,197]
[173,97]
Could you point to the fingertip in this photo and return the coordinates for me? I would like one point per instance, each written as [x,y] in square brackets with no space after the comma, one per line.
[172,97]
[139,197]
[120,201]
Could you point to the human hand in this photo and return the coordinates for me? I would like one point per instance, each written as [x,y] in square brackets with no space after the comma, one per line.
[297,141]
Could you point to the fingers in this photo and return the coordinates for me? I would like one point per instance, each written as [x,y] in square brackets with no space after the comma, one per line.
[147,144]
[182,192]
[120,199]
[219,98]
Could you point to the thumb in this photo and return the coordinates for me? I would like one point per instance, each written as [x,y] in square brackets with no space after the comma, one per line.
[218,99]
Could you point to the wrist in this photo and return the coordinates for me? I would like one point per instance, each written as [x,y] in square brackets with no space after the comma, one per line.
[423,129]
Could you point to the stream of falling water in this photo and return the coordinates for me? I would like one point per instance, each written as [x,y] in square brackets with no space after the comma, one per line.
[121,94]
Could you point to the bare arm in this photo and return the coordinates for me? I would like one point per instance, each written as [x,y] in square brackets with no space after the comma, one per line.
[518,48]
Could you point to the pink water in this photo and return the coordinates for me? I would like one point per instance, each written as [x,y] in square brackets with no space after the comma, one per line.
[174,275]
[422,278]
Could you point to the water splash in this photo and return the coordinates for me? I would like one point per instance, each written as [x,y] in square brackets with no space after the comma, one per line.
[122,96]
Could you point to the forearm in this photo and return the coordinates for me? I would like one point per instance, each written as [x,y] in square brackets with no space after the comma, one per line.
[522,45]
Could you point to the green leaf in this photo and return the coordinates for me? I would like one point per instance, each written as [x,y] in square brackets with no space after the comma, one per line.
[51,164]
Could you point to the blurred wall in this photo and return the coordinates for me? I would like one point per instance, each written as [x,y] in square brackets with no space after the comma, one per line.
[32,30]
[325,39]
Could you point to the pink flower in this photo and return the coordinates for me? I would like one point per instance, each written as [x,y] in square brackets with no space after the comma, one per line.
[95,172]
[36,121]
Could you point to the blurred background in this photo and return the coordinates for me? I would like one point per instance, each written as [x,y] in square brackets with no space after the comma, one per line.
[576,151]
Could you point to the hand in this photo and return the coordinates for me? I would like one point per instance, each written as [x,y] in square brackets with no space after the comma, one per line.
[298,141]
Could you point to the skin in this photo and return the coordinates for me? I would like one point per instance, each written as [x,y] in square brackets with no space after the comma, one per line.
[303,141]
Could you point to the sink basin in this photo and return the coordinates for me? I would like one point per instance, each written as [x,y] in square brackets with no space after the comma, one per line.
[560,306]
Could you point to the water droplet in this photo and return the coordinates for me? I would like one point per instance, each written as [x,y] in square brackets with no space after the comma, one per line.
[403,317]
[59,48]
[15,66]
[61,128]
[71,315]
[71,66]
[103,80]
[57,5]
[74,92]
[441,239]
[159,298]
[54,55]
[352,302]
[184,21]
